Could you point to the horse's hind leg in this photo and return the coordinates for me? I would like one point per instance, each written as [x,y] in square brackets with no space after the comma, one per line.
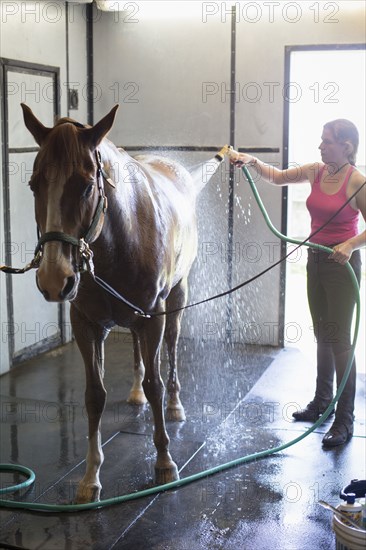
[137,396]
[151,335]
[90,339]
[177,298]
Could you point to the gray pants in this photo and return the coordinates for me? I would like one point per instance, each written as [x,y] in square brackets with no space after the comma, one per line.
[332,299]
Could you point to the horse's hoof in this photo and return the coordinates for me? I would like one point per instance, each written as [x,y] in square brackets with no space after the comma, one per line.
[137,397]
[166,475]
[175,414]
[88,493]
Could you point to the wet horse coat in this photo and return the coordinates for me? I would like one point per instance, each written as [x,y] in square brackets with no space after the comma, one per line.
[144,244]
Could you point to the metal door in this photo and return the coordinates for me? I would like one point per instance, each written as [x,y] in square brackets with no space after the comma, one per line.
[33,325]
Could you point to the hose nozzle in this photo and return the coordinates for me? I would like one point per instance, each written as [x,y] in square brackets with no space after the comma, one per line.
[224,151]
[227,150]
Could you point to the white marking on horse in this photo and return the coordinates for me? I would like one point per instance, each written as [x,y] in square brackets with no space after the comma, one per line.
[55,267]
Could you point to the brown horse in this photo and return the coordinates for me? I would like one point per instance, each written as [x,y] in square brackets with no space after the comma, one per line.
[143,246]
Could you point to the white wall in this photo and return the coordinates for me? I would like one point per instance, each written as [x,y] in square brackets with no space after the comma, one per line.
[36,32]
[77,78]
[166,62]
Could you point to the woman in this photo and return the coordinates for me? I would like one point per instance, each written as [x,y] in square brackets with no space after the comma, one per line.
[331,293]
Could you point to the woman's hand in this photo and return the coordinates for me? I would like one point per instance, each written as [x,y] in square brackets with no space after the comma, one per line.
[342,253]
[238,159]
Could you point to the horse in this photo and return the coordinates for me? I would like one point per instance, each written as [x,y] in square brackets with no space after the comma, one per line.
[134,219]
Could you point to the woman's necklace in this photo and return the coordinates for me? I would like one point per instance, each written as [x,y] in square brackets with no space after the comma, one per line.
[339,169]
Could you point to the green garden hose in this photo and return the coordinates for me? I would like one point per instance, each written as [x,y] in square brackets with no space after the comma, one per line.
[211,471]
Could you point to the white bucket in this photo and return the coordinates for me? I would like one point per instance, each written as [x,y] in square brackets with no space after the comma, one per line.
[347,537]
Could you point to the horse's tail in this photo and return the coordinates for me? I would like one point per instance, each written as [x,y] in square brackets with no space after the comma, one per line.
[202,173]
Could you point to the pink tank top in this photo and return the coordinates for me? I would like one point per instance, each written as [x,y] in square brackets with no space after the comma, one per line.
[322,207]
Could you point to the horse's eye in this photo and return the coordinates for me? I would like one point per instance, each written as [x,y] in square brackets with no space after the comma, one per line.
[88,191]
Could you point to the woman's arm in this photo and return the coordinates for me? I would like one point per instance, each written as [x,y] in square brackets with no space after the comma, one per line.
[293,174]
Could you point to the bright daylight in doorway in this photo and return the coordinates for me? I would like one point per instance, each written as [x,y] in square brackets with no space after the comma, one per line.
[325,85]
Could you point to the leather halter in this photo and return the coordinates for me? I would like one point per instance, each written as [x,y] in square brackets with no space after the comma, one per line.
[82,244]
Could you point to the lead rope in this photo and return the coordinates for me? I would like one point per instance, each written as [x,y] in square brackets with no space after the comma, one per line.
[19,270]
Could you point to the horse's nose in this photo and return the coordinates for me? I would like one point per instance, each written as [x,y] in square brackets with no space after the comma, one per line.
[56,278]
[52,292]
[68,288]
[55,285]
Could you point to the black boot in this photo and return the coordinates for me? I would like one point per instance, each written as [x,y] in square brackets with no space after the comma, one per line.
[338,434]
[312,411]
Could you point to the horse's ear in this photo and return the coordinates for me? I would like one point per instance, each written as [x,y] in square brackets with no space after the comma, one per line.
[95,134]
[36,128]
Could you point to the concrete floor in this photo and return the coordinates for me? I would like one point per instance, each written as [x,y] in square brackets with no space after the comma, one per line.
[238,401]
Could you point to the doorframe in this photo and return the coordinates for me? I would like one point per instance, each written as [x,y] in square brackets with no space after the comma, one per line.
[8,66]
[285,147]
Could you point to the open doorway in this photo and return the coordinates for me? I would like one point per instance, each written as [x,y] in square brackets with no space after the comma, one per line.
[322,83]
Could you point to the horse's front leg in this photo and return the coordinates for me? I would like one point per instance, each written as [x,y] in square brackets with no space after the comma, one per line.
[151,336]
[137,395]
[90,339]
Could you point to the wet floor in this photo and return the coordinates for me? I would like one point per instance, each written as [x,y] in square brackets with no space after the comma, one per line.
[238,401]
